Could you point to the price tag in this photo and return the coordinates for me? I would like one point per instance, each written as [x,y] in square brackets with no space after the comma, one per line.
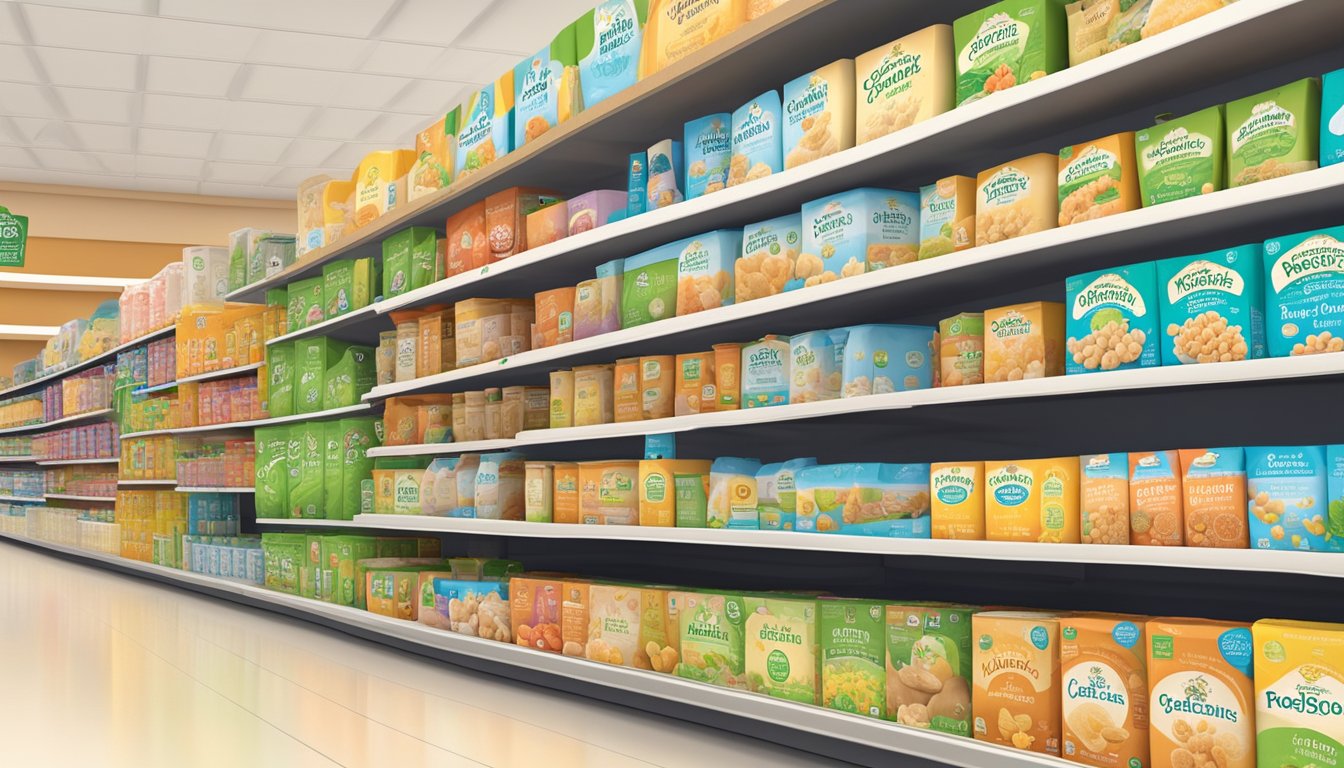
[13,238]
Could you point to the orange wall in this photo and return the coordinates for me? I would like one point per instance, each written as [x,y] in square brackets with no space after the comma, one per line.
[95,258]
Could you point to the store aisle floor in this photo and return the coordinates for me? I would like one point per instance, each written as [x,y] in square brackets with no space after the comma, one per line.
[108,670]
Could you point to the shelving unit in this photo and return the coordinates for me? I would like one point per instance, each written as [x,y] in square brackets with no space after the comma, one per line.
[29,499]
[148,483]
[42,427]
[226,373]
[77,497]
[78,462]
[208,489]
[105,357]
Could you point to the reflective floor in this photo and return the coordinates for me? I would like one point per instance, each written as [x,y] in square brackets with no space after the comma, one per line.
[99,669]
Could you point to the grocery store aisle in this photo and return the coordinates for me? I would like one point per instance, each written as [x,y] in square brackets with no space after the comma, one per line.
[154,676]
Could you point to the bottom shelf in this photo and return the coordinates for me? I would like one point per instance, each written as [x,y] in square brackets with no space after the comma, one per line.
[814,729]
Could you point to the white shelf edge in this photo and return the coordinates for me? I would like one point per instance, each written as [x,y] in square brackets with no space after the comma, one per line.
[146,433]
[143,483]
[878,734]
[439,449]
[207,489]
[316,329]
[349,410]
[77,462]
[89,416]
[32,499]
[95,360]
[19,460]
[223,373]
[305,522]
[156,388]
[75,497]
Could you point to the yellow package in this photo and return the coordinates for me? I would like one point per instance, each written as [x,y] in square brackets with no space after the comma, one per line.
[727,381]
[819,113]
[1299,687]
[1024,341]
[1016,686]
[1016,198]
[574,617]
[1098,179]
[758,8]
[1201,694]
[628,398]
[607,493]
[946,216]
[336,197]
[958,500]
[309,202]
[592,395]
[1032,500]
[657,384]
[678,28]
[696,392]
[658,488]
[435,152]
[904,82]
[659,630]
[562,399]
[1104,672]
[613,624]
[1103,498]
[376,180]
[565,493]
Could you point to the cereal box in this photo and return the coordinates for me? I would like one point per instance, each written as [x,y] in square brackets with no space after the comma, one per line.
[678,28]
[1275,133]
[1112,321]
[1287,488]
[713,645]
[608,40]
[758,139]
[1016,680]
[732,493]
[1007,43]
[613,624]
[880,359]
[814,369]
[781,648]
[1097,179]
[1304,293]
[929,667]
[1220,290]
[1104,679]
[535,608]
[486,133]
[819,113]
[1155,499]
[708,145]
[649,286]
[957,500]
[1299,684]
[1103,498]
[1032,500]
[1016,199]
[1182,157]
[777,494]
[946,216]
[1200,693]
[546,88]
[961,354]
[769,252]
[765,372]
[904,82]
[1024,341]
[853,656]
[705,271]
[1332,118]
[1213,481]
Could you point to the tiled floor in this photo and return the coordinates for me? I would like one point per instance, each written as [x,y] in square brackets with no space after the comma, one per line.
[98,669]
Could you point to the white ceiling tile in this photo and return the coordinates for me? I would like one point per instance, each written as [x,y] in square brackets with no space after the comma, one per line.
[95,106]
[119,164]
[250,149]
[239,173]
[155,184]
[88,69]
[126,33]
[434,22]
[158,141]
[189,77]
[293,175]
[311,86]
[313,51]
[430,97]
[44,176]
[26,100]
[349,156]
[396,130]
[169,167]
[122,6]
[15,157]
[477,67]
[9,27]
[222,189]
[310,152]
[105,138]
[402,59]
[335,123]
[26,127]
[15,66]
[498,29]
[183,111]
[66,160]
[330,17]
[269,119]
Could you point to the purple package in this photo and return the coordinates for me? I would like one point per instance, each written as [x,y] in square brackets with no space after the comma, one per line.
[597,302]
[592,209]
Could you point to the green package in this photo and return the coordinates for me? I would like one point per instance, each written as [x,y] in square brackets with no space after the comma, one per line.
[283,556]
[409,256]
[1182,157]
[426,266]
[277,297]
[782,654]
[305,303]
[1275,133]
[649,287]
[929,665]
[853,656]
[310,582]
[713,645]
[346,381]
[347,442]
[1008,43]
[348,550]
[692,506]
[312,358]
[307,444]
[280,369]
[272,473]
[237,263]
[348,285]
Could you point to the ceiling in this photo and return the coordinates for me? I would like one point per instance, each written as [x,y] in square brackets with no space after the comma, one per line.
[242,98]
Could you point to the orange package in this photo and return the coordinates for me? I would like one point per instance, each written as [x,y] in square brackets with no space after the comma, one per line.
[574,618]
[555,316]
[1103,663]
[565,493]
[1016,689]
[438,346]
[535,608]
[1202,694]
[506,219]
[627,394]
[1155,499]
[695,391]
[468,248]
[547,225]
[1213,481]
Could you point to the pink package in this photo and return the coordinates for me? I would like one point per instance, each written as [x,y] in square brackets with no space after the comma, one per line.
[173,276]
[597,302]
[547,225]
[592,209]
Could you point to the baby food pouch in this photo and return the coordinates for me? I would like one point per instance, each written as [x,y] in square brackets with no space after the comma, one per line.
[677,29]
[904,82]
[1032,500]
[664,174]
[1016,680]
[1103,498]
[1304,283]
[1287,487]
[853,656]
[705,271]
[1299,674]
[1182,157]
[727,376]
[708,146]
[765,372]
[695,392]
[1213,481]
[659,495]
[649,290]
[1275,133]
[1097,179]
[769,253]
[777,494]
[1017,198]
[957,503]
[1222,291]
[1200,693]
[929,667]
[890,500]
[733,494]
[1007,43]
[781,648]
[613,624]
[815,372]
[607,492]
[962,349]
[880,359]
[466,248]
[546,88]
[758,141]
[1155,499]
[713,644]
[1103,670]
[819,113]
[946,216]
[608,41]
[1112,322]
[1024,341]
[487,126]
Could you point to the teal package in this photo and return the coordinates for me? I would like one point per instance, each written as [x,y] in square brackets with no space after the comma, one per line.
[1304,293]
[777,494]
[858,231]
[1334,513]
[666,180]
[545,88]
[1332,118]
[758,139]
[312,359]
[280,370]
[732,484]
[879,359]
[708,147]
[608,39]
[1112,319]
[1227,283]
[1288,491]
[888,500]
[637,184]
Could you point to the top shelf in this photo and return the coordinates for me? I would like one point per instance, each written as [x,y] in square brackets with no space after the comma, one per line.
[108,356]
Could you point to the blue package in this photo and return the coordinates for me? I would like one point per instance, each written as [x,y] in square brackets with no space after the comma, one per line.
[708,143]
[758,139]
[637,183]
